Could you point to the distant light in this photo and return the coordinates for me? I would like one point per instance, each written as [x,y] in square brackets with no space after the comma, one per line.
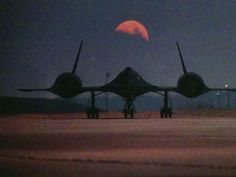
[226,85]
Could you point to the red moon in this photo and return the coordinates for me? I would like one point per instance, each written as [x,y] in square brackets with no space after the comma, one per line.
[133,27]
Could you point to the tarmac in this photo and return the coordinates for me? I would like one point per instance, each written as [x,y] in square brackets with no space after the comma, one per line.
[72,146]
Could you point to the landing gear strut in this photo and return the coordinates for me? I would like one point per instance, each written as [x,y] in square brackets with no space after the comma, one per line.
[92,112]
[166,111]
[129,108]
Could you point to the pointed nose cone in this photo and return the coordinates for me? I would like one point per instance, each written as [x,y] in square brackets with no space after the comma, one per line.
[128,69]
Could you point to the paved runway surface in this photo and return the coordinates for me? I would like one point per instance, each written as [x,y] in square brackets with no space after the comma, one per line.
[183,146]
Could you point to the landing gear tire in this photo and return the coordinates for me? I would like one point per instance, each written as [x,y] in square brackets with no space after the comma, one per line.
[92,113]
[126,116]
[166,112]
[128,113]
[132,113]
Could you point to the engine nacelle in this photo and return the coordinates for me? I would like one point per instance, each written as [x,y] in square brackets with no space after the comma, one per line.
[66,85]
[191,85]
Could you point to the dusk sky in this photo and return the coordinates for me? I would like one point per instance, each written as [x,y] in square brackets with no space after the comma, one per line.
[39,39]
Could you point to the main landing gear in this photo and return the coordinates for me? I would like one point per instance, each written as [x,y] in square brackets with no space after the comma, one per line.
[92,112]
[166,111]
[129,108]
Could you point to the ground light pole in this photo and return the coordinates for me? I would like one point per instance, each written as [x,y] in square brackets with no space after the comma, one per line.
[228,98]
[108,74]
[218,99]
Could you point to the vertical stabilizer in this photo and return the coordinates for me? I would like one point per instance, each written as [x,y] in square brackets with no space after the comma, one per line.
[181,58]
[77,58]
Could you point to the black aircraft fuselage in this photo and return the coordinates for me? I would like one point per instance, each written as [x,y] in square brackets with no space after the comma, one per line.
[128,84]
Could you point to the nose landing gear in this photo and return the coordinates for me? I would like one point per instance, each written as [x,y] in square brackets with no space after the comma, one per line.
[129,108]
